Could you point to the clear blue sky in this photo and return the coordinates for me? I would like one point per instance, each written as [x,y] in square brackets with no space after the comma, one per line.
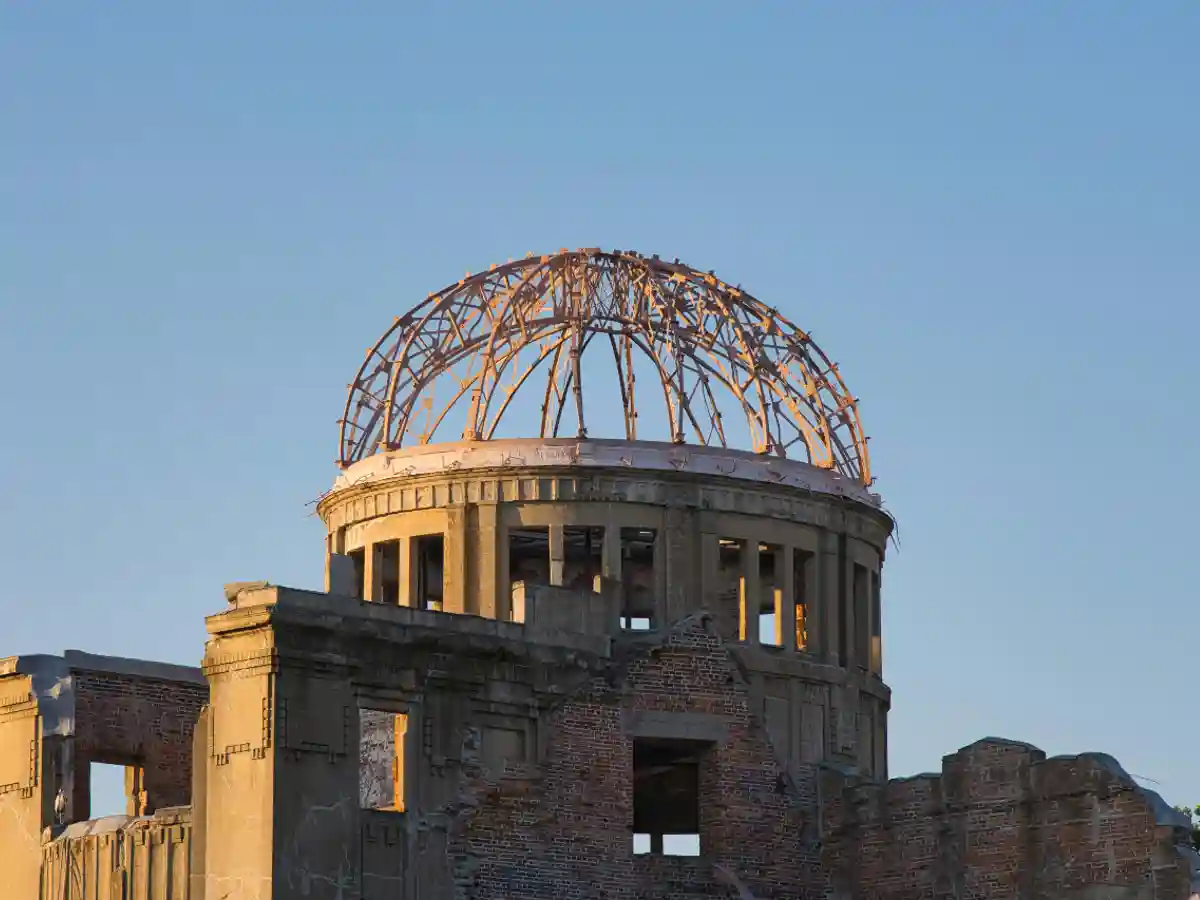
[986,212]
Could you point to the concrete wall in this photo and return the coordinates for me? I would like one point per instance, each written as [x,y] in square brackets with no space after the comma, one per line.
[516,754]
[120,858]
[1001,820]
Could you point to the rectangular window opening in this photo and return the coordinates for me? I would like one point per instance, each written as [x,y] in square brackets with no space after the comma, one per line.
[381,759]
[387,571]
[358,557]
[114,790]
[638,580]
[528,564]
[429,553]
[730,583]
[666,796]
[582,550]
[770,587]
[800,563]
[862,612]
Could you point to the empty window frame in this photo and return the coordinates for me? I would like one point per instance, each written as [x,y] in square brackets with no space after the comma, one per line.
[381,744]
[528,564]
[385,571]
[639,584]
[801,560]
[583,547]
[730,581]
[109,792]
[358,557]
[666,796]
[429,555]
[771,587]
[862,616]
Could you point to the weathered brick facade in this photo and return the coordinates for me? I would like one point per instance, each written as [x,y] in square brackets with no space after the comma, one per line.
[564,831]
[142,721]
[1002,820]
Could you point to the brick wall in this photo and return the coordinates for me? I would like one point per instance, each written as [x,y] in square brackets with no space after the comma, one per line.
[565,831]
[1001,820]
[127,718]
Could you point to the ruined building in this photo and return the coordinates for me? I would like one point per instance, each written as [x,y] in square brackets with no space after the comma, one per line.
[547,662]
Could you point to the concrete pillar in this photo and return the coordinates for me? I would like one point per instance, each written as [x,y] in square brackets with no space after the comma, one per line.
[487,561]
[557,555]
[454,561]
[815,609]
[26,809]
[785,598]
[610,553]
[751,593]
[407,574]
[372,573]
[847,599]
[682,581]
[284,748]
[826,596]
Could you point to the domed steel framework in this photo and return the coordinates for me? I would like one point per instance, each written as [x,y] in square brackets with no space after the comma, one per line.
[478,342]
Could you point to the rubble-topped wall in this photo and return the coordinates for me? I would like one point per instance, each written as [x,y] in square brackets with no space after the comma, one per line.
[1002,820]
[118,856]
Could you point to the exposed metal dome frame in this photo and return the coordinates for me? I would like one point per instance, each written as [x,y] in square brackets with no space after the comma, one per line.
[698,333]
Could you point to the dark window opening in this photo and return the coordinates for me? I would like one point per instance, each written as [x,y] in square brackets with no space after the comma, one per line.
[666,796]
[638,581]
[528,564]
[429,552]
[381,759]
[800,563]
[360,572]
[731,585]
[862,613]
[582,548]
[387,571]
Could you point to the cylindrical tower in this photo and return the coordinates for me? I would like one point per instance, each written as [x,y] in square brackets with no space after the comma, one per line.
[472,481]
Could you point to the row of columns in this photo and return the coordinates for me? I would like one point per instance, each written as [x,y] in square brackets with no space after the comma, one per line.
[831,609]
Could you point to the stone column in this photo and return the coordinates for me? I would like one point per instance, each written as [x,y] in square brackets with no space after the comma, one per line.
[557,555]
[454,561]
[372,574]
[487,561]
[681,564]
[610,563]
[751,593]
[785,598]
[280,801]
[827,595]
[27,807]
[406,575]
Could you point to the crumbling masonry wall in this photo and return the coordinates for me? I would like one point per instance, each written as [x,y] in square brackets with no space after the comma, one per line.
[58,715]
[563,830]
[142,719]
[1002,820]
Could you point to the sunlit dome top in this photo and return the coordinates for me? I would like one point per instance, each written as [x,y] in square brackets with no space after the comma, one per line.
[649,349]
